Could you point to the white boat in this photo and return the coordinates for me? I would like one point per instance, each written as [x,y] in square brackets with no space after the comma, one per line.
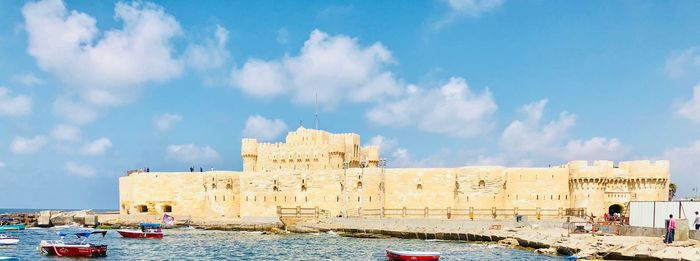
[6,240]
[9,258]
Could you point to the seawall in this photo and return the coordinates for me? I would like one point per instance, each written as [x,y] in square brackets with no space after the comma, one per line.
[546,237]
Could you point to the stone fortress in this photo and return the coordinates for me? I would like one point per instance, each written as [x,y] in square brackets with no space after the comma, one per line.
[335,176]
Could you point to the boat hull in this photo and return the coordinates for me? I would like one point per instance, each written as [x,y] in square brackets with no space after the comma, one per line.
[139,234]
[74,250]
[411,256]
[13,227]
[7,241]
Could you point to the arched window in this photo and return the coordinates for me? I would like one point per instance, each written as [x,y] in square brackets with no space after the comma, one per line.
[275,189]
[419,186]
[482,183]
[359,185]
[303,188]
[229,187]
[142,208]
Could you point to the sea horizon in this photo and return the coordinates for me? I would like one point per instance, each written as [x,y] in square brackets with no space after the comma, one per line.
[4,211]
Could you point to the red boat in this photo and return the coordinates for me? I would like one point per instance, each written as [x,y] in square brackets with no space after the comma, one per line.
[75,249]
[147,230]
[411,255]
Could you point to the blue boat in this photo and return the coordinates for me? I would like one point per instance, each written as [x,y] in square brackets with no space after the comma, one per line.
[13,227]
[5,224]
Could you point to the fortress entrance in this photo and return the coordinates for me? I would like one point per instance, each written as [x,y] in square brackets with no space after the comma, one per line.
[616,208]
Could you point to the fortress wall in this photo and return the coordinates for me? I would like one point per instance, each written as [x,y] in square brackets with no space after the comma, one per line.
[478,187]
[420,188]
[156,190]
[532,188]
[222,193]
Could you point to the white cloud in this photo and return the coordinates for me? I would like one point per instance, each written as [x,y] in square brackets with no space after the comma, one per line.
[334,67]
[211,54]
[22,145]
[685,166]
[452,109]
[79,169]
[691,108]
[263,129]
[96,147]
[594,149]
[2,164]
[385,144]
[678,64]
[27,79]
[529,135]
[192,154]
[474,7]
[467,8]
[260,78]
[282,36]
[14,106]
[401,158]
[75,112]
[166,121]
[529,141]
[105,66]
[65,132]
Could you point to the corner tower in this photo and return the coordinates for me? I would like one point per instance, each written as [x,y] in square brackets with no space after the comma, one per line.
[249,152]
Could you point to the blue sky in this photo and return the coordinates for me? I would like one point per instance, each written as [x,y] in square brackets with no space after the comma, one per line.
[90,89]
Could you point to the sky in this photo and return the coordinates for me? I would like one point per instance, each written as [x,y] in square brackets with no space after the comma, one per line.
[91,89]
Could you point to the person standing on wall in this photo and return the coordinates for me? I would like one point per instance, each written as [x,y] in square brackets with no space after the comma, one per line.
[697,221]
[670,230]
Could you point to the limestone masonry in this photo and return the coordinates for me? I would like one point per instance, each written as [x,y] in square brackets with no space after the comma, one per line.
[335,175]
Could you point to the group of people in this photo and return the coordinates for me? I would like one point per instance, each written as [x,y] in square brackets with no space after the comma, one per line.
[614,217]
[671,228]
[192,169]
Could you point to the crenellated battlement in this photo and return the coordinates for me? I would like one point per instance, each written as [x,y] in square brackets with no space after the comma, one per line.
[334,172]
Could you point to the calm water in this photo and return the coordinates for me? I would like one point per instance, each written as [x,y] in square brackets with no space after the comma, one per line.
[221,245]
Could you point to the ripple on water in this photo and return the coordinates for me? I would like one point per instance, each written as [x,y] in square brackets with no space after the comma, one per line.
[223,245]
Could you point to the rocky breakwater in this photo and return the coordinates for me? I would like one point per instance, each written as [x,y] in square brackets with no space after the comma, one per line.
[49,218]
[224,224]
[544,238]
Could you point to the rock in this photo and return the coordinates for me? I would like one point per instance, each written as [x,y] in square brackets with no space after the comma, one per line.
[44,219]
[546,251]
[509,242]
[275,230]
[302,229]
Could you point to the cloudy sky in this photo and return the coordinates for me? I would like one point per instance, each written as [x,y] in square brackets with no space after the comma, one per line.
[89,90]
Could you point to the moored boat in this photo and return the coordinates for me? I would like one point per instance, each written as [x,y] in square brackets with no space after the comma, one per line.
[147,230]
[6,240]
[9,258]
[411,255]
[7,224]
[74,249]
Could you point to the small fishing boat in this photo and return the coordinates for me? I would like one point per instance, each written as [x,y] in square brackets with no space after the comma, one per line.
[82,248]
[7,224]
[147,230]
[411,255]
[9,258]
[6,240]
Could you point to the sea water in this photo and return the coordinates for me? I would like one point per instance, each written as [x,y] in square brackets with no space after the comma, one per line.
[180,244]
